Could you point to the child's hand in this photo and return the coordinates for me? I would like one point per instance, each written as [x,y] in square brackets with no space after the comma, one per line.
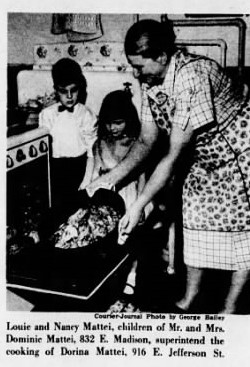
[96,185]
[83,186]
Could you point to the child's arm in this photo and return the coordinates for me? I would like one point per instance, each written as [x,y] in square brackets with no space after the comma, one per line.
[88,173]
[138,153]
[89,129]
[89,135]
[45,119]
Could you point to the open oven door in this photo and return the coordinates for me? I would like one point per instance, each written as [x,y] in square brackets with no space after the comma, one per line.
[79,273]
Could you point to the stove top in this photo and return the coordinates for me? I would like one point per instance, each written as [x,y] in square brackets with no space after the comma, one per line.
[17,129]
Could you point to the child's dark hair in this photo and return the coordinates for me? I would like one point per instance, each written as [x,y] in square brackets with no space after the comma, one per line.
[115,106]
[67,71]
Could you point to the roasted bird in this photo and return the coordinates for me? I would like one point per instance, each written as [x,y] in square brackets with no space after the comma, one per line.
[86,226]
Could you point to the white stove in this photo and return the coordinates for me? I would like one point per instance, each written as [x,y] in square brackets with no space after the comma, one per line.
[27,147]
[104,66]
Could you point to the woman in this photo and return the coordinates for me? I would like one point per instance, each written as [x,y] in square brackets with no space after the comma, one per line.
[192,100]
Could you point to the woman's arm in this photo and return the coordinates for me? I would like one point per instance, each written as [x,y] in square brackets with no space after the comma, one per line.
[164,171]
[161,176]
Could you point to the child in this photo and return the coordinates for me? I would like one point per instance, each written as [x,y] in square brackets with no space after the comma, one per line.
[72,127]
[118,129]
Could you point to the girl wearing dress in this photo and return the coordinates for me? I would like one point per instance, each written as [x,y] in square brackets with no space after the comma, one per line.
[118,129]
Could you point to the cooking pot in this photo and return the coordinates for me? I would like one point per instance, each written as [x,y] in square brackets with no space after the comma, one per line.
[105,197]
[82,200]
[70,270]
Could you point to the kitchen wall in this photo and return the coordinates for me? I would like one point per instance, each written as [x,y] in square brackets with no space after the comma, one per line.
[25,30]
[28,29]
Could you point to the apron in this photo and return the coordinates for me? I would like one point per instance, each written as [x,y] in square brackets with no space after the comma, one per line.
[216,192]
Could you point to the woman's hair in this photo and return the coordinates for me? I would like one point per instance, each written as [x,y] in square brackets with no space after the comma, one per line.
[67,71]
[150,38]
[118,105]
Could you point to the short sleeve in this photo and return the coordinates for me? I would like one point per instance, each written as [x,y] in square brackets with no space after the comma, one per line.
[193,97]
[146,114]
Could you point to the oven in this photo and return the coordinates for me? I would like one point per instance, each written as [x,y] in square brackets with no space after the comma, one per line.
[37,273]
[28,186]
[28,196]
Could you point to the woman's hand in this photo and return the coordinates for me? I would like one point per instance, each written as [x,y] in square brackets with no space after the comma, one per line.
[128,222]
